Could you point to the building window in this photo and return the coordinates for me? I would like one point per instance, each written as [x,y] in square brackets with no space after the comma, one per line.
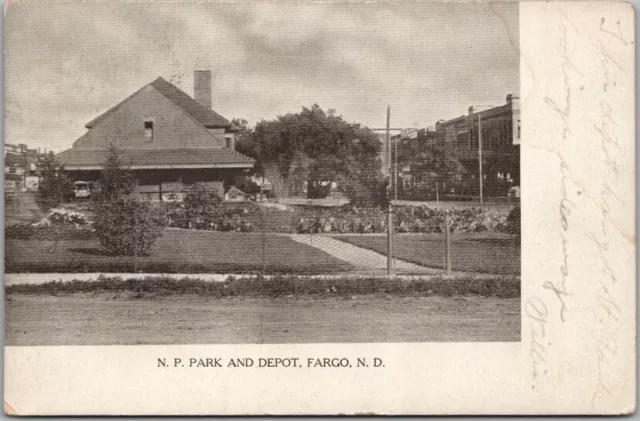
[148,130]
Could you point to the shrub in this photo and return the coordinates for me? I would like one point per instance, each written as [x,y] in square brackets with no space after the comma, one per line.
[202,209]
[128,225]
[175,215]
[202,204]
[275,286]
[370,193]
[513,221]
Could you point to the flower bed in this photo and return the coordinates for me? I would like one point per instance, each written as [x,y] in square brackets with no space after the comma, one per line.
[247,217]
[58,216]
[223,218]
[59,224]
[416,219]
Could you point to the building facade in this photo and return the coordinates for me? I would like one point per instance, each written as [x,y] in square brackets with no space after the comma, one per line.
[169,140]
[492,135]
[21,167]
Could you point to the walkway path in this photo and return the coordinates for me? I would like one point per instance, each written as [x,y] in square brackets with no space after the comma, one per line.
[21,209]
[274,205]
[360,258]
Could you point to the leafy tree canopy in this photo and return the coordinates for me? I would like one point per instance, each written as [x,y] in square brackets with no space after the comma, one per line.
[438,164]
[335,149]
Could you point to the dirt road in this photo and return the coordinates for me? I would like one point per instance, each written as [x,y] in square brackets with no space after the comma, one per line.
[119,319]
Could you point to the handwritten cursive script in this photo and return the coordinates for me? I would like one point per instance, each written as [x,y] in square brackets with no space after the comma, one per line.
[560,288]
[607,311]
[536,312]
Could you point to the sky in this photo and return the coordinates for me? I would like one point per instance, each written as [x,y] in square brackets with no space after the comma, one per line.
[68,61]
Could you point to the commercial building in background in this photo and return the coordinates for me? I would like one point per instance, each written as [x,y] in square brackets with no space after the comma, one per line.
[496,132]
[170,141]
[20,167]
[412,143]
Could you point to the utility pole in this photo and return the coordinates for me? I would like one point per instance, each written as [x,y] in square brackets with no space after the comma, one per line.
[389,216]
[395,168]
[480,153]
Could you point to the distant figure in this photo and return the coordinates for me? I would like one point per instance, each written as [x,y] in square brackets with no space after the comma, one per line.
[514,192]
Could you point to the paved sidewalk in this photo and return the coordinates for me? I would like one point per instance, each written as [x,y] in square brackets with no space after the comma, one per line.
[42,278]
[360,258]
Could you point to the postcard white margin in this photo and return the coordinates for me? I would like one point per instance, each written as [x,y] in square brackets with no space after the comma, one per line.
[577,353]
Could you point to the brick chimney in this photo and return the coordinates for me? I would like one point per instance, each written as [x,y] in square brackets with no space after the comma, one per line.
[202,87]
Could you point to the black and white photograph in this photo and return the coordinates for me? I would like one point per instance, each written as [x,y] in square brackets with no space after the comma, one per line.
[258,207]
[252,172]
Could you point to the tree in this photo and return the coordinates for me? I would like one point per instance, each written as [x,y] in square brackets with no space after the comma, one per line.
[115,181]
[244,137]
[54,185]
[317,147]
[124,224]
[438,164]
[245,143]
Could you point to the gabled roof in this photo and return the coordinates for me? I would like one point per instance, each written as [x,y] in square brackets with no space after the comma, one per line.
[93,159]
[208,118]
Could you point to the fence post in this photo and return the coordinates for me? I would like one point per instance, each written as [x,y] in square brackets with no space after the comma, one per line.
[447,244]
[264,241]
[389,240]
[135,242]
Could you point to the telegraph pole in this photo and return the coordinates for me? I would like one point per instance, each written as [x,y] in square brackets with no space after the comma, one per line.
[480,153]
[395,168]
[389,216]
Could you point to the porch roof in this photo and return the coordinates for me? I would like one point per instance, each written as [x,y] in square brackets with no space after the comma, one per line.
[93,159]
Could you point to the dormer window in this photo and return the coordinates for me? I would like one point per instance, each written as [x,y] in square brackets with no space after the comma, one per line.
[148,130]
[229,141]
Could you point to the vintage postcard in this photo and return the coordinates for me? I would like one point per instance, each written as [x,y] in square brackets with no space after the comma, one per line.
[270,207]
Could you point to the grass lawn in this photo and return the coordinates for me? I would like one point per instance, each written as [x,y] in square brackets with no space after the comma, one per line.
[484,253]
[177,251]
